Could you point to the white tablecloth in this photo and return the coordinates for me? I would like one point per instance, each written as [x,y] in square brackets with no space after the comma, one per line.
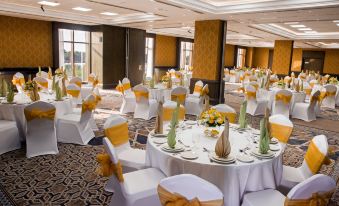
[15,112]
[86,90]
[160,92]
[233,180]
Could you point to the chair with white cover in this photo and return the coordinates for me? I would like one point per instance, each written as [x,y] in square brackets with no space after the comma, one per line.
[42,82]
[234,77]
[169,108]
[19,81]
[179,94]
[40,135]
[128,99]
[92,78]
[254,84]
[316,190]
[255,106]
[145,108]
[116,130]
[127,86]
[194,102]
[73,91]
[9,136]
[306,111]
[227,111]
[42,74]
[328,96]
[76,80]
[227,75]
[281,128]
[282,101]
[138,188]
[187,189]
[75,128]
[314,158]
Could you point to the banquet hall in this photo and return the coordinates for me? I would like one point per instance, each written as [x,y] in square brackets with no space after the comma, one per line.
[169,102]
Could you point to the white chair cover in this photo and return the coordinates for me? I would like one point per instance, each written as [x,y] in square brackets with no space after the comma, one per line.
[281,128]
[306,111]
[127,85]
[330,98]
[128,99]
[42,82]
[282,106]
[9,136]
[76,80]
[138,187]
[177,92]
[40,137]
[255,106]
[42,74]
[74,91]
[194,102]
[75,128]
[145,108]
[18,76]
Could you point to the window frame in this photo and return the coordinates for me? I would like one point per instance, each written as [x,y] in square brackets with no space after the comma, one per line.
[182,51]
[150,36]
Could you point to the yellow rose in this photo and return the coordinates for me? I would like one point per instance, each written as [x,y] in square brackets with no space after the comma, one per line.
[220,121]
[211,121]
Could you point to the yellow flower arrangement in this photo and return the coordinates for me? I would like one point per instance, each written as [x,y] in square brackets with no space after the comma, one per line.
[165,78]
[212,118]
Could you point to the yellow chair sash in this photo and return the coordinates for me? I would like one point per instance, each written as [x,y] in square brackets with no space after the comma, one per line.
[88,106]
[312,84]
[91,79]
[323,95]
[120,88]
[168,112]
[241,89]
[205,91]
[178,97]
[107,167]
[285,98]
[18,81]
[39,114]
[77,83]
[308,91]
[140,94]
[230,116]
[174,199]
[127,86]
[73,93]
[97,98]
[197,89]
[118,134]
[281,132]
[43,84]
[317,199]
[251,95]
[315,98]
[314,158]
[255,86]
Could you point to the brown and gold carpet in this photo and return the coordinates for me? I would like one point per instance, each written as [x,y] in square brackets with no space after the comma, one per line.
[69,178]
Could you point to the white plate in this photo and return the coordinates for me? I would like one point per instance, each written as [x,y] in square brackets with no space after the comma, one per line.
[190,122]
[245,158]
[256,153]
[159,140]
[189,155]
[225,160]
[178,148]
[274,147]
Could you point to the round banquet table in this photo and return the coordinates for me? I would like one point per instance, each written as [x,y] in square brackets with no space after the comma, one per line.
[15,112]
[234,180]
[160,92]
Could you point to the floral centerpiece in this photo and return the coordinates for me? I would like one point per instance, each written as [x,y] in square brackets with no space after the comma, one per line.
[281,84]
[212,118]
[31,89]
[333,80]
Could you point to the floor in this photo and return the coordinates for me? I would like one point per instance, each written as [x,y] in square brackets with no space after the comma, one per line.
[69,178]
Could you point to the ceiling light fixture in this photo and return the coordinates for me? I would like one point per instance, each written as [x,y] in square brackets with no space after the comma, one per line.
[291,23]
[305,29]
[81,9]
[335,21]
[337,24]
[49,3]
[310,32]
[298,26]
[109,13]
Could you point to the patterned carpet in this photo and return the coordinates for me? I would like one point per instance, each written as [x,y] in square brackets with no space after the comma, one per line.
[70,179]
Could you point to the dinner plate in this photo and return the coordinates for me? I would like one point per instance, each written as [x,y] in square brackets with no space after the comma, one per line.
[274,147]
[245,158]
[228,160]
[256,153]
[190,122]
[159,140]
[178,148]
[189,155]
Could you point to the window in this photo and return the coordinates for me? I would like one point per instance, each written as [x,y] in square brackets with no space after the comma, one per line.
[74,53]
[186,54]
[149,56]
[241,57]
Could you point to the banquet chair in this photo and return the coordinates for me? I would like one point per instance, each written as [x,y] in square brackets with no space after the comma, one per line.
[73,91]
[306,111]
[127,86]
[227,75]
[227,111]
[128,100]
[328,96]
[76,80]
[9,136]
[337,97]
[281,128]
[282,102]
[254,84]
[42,74]
[313,82]
[318,188]
[255,106]
[136,188]
[187,188]
[168,109]
[40,134]
[42,82]
[194,102]
[75,128]
[145,108]
[116,130]
[91,79]
[179,94]
[19,81]
[314,158]
[234,77]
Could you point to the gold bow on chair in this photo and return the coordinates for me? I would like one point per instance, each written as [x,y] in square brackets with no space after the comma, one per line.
[73,93]
[197,89]
[251,95]
[281,132]
[317,199]
[120,88]
[107,167]
[97,98]
[308,91]
[43,84]
[174,199]
[282,97]
[230,116]
[127,86]
[18,81]
[323,95]
[39,114]
[78,84]
[140,94]
[178,97]
[117,134]
[88,106]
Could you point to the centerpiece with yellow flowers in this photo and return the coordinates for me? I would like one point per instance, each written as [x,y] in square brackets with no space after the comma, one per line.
[211,118]
[31,90]
[333,80]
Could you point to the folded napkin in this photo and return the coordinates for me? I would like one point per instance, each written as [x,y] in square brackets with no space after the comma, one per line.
[264,141]
[159,120]
[10,94]
[3,88]
[171,134]
[223,146]
[242,115]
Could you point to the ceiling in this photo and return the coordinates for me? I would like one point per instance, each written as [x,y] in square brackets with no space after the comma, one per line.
[254,23]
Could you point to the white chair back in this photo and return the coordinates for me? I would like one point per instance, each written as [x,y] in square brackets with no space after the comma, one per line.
[127,85]
[318,183]
[141,94]
[109,148]
[114,121]
[42,74]
[198,88]
[254,84]
[42,82]
[251,93]
[20,79]
[76,80]
[87,107]
[73,90]
[330,88]
[179,93]
[314,100]
[281,128]
[227,111]
[282,101]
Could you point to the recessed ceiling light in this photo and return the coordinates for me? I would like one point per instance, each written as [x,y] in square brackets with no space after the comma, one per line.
[291,23]
[335,21]
[298,26]
[310,32]
[81,9]
[108,13]
[337,24]
[305,29]
[49,3]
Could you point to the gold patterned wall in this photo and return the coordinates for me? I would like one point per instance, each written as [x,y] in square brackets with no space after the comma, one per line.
[282,56]
[331,62]
[229,55]
[260,57]
[206,54]
[249,57]
[297,60]
[165,51]
[25,42]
